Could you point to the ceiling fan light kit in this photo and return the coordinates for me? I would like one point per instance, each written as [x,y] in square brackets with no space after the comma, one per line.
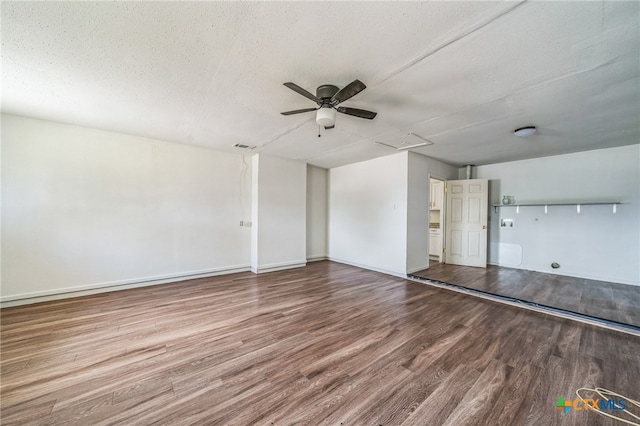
[326,116]
[328,97]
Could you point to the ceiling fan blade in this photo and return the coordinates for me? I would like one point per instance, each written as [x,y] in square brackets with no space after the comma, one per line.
[348,91]
[362,113]
[301,91]
[298,111]
[329,127]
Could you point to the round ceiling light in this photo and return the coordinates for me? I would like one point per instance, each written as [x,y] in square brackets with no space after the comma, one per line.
[326,116]
[523,132]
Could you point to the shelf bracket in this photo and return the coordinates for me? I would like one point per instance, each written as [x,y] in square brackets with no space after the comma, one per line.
[615,208]
[578,208]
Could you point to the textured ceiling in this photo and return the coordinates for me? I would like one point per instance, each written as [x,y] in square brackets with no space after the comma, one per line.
[461,74]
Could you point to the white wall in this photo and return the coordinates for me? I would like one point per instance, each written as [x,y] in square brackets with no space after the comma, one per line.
[594,244]
[317,209]
[368,214]
[421,168]
[279,191]
[84,208]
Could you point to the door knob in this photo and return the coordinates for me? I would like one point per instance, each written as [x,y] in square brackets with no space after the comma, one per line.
[484,227]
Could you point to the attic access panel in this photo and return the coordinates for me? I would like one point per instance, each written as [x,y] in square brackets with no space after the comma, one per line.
[406,141]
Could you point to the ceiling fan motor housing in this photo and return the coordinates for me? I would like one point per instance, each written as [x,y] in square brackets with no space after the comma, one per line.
[326,92]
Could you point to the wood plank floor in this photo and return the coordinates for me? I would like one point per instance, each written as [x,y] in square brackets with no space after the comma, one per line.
[601,299]
[325,344]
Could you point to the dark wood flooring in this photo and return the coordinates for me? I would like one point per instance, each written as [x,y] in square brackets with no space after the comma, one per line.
[325,344]
[601,299]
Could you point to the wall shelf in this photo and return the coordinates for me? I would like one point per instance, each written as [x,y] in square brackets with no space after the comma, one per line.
[614,205]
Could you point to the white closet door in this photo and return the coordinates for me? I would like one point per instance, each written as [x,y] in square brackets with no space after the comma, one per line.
[466,222]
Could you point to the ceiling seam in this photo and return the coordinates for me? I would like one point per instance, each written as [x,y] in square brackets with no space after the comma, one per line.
[425,55]
[286,132]
[511,94]
[336,149]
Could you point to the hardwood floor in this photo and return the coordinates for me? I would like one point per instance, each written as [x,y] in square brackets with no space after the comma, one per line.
[325,344]
[601,299]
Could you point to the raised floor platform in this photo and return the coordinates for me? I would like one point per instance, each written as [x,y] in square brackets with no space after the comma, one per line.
[618,303]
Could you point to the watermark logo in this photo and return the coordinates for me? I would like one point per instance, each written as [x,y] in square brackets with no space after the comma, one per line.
[562,404]
[580,404]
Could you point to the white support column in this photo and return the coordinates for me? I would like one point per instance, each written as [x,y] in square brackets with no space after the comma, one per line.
[278,213]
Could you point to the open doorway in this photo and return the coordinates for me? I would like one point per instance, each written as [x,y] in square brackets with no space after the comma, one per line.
[436,219]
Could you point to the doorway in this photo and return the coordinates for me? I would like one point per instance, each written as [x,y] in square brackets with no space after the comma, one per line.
[436,219]
[458,215]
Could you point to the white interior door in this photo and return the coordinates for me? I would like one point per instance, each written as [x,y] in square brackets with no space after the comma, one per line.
[466,222]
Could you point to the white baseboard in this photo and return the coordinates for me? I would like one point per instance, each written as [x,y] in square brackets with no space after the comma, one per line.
[84,290]
[421,268]
[317,258]
[400,274]
[272,267]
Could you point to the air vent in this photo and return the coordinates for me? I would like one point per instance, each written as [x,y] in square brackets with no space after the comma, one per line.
[243,146]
